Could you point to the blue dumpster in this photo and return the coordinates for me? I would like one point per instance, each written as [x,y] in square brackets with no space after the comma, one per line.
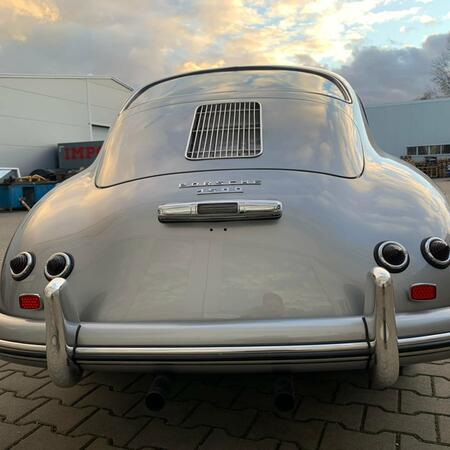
[10,194]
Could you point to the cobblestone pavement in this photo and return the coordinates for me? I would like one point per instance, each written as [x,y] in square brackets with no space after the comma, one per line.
[334,410]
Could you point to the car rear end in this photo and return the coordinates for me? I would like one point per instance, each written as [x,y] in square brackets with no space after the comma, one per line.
[230,224]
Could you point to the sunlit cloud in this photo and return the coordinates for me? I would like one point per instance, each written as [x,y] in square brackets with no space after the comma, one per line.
[425,19]
[190,66]
[39,9]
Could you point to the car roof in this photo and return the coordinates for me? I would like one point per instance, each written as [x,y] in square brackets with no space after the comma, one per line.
[338,81]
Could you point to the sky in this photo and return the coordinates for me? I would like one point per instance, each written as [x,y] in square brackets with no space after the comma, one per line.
[385,48]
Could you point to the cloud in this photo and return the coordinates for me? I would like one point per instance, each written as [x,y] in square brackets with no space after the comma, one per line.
[138,43]
[425,19]
[383,75]
[39,9]
[17,15]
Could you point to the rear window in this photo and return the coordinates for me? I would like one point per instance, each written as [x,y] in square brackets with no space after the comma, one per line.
[244,80]
[297,134]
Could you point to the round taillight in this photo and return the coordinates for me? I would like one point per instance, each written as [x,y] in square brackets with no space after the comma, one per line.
[392,256]
[21,265]
[436,252]
[59,265]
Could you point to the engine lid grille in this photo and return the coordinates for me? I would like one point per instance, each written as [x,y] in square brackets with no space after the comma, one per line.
[226,130]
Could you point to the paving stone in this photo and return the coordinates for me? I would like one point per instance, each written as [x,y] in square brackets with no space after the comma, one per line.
[234,422]
[305,434]
[21,384]
[442,387]
[5,373]
[386,398]
[259,382]
[359,378]
[252,399]
[142,384]
[103,424]
[115,380]
[441,361]
[68,396]
[116,402]
[444,428]
[3,362]
[348,415]
[411,443]
[174,412]
[102,444]
[315,385]
[288,446]
[30,371]
[337,438]
[413,403]
[422,425]
[418,383]
[44,439]
[63,418]
[158,434]
[9,433]
[220,440]
[12,407]
[217,395]
[438,370]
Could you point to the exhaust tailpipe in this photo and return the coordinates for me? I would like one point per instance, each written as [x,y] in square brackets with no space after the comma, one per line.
[158,393]
[283,393]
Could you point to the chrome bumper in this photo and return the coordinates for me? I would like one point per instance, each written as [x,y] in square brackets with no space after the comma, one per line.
[382,350]
[411,349]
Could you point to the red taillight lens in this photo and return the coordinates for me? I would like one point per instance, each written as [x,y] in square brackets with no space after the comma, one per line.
[30,301]
[422,292]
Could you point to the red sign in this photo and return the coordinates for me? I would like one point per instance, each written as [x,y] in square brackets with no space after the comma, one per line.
[81,152]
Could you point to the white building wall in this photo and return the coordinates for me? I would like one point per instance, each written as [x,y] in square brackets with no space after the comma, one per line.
[418,123]
[36,113]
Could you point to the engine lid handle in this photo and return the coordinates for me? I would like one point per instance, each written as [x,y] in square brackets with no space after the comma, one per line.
[220,210]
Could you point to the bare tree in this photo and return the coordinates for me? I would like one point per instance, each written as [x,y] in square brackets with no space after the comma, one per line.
[427,95]
[441,71]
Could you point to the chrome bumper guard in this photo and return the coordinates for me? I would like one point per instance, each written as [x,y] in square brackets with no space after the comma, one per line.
[381,347]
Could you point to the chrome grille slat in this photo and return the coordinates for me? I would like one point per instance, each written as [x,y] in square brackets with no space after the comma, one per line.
[226,130]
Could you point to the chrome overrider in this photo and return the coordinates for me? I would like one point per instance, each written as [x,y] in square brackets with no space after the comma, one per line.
[381,352]
[386,367]
[63,371]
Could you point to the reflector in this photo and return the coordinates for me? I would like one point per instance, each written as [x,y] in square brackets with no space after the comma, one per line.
[30,301]
[422,291]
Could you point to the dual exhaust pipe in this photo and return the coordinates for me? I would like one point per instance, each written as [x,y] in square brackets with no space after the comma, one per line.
[159,392]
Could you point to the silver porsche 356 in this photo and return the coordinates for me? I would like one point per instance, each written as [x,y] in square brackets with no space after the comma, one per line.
[236,219]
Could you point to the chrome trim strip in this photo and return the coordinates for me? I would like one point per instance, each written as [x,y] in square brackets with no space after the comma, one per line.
[404,344]
[22,346]
[224,351]
[424,340]
[247,209]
